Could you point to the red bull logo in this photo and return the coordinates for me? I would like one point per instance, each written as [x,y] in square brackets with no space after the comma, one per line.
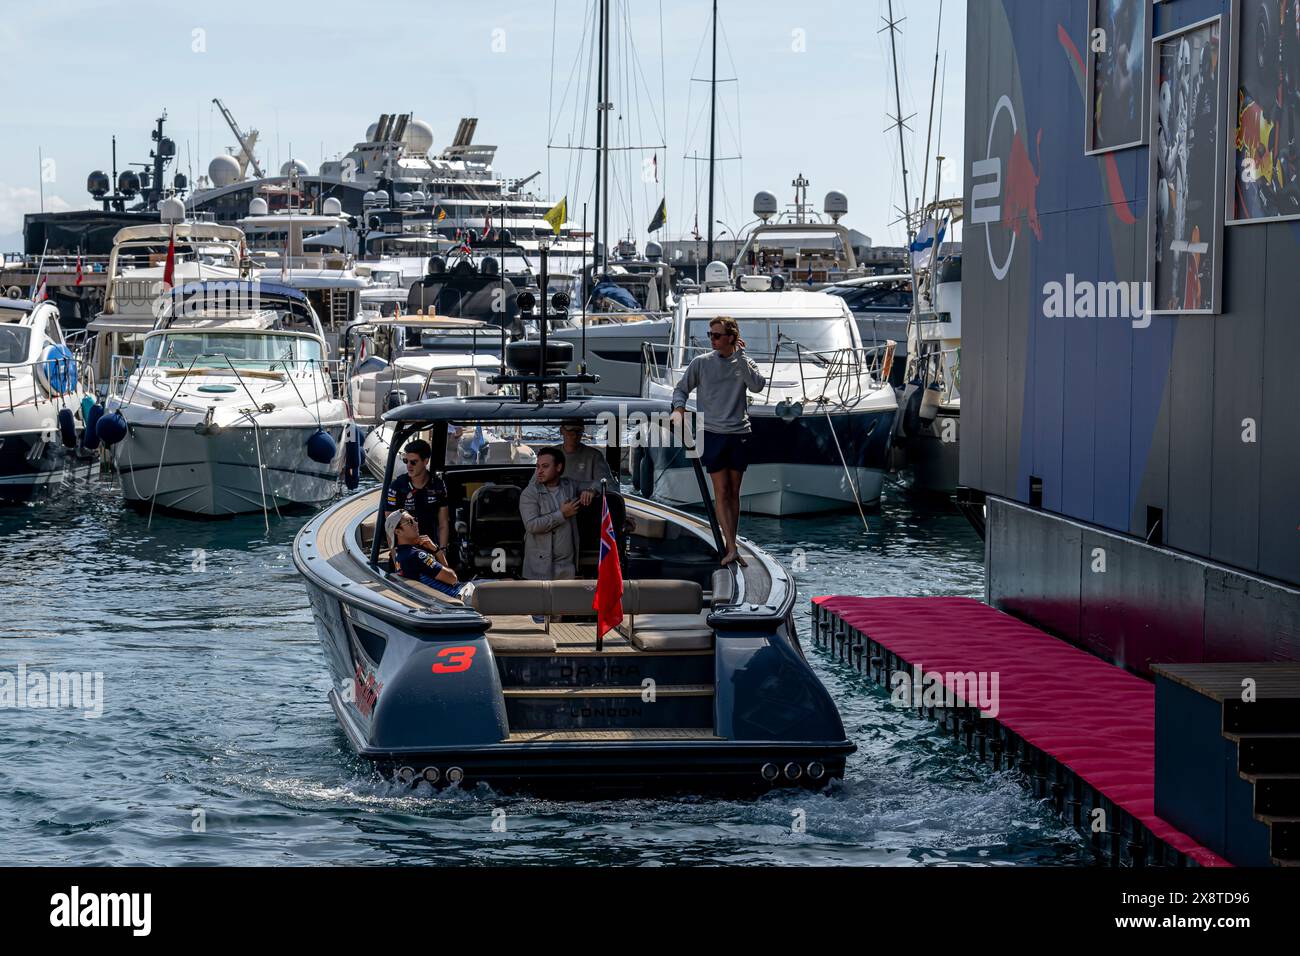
[1020,192]
[1006,198]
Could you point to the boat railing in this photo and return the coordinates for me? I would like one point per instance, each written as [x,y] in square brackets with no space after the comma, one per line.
[833,376]
[70,371]
[934,365]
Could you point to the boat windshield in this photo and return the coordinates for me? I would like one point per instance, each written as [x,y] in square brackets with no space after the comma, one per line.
[13,343]
[760,334]
[242,349]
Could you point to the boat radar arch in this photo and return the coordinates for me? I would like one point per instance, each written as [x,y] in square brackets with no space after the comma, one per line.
[836,205]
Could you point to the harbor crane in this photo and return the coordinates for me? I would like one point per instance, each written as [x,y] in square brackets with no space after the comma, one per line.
[246,142]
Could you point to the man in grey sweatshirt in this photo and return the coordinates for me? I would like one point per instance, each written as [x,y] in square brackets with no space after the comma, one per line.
[721,378]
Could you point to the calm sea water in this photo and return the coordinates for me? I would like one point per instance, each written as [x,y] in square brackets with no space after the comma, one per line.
[215,719]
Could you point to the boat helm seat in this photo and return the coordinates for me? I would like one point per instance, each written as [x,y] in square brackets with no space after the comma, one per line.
[494,523]
[658,615]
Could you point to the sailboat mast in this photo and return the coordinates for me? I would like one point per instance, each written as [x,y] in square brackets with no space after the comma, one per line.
[713,126]
[600,102]
[605,107]
[902,157]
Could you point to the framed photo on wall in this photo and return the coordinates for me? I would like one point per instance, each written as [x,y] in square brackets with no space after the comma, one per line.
[1263,182]
[1116,75]
[1189,136]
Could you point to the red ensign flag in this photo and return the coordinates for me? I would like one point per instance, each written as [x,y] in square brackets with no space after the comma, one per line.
[608,603]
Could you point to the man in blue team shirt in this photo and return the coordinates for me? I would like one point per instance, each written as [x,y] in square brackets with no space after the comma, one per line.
[423,494]
[412,561]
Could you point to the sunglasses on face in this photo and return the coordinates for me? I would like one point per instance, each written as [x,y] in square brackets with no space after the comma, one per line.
[413,461]
[405,520]
[718,335]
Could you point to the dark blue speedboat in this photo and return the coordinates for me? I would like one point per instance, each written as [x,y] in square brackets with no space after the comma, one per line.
[703,687]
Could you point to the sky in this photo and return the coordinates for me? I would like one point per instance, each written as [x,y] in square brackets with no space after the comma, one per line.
[806,88]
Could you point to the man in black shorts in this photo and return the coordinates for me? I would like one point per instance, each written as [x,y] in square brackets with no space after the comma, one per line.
[423,494]
[721,378]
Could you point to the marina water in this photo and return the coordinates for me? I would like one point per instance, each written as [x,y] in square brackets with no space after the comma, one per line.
[216,744]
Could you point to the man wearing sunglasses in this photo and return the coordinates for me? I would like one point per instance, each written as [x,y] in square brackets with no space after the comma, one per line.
[423,494]
[720,379]
[410,560]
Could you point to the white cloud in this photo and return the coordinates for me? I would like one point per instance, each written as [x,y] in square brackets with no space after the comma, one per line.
[16,201]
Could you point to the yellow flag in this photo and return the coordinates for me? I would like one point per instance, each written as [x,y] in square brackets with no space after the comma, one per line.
[558,215]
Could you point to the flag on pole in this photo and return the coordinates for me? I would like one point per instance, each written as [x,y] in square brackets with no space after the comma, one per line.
[78,282]
[608,603]
[487,226]
[654,161]
[42,293]
[558,215]
[926,242]
[169,270]
[442,214]
[661,216]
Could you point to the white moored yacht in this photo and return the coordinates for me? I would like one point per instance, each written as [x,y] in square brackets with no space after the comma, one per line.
[821,429]
[44,393]
[231,408]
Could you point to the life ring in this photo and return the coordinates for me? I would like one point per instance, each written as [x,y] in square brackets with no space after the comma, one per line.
[57,370]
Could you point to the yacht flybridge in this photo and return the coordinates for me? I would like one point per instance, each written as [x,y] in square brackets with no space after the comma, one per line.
[702,686]
[231,406]
[799,245]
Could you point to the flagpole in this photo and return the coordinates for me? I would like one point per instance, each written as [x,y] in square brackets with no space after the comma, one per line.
[583,287]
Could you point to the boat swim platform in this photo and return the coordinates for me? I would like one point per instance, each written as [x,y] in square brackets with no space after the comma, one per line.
[1082,731]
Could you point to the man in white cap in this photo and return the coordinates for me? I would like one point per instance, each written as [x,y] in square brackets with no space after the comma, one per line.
[412,561]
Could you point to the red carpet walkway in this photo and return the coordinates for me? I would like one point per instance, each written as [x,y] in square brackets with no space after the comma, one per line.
[1093,717]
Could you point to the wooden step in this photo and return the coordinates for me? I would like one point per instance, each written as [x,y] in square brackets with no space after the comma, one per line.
[1276,794]
[1267,752]
[604,670]
[637,734]
[608,708]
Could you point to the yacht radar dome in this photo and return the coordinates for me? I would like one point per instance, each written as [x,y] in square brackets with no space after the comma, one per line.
[717,275]
[128,183]
[292,167]
[223,170]
[765,205]
[332,207]
[371,130]
[418,138]
[836,205]
[97,184]
[171,210]
[257,207]
[653,251]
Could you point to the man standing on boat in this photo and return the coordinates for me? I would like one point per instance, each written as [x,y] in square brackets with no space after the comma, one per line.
[548,507]
[584,464]
[721,378]
[423,494]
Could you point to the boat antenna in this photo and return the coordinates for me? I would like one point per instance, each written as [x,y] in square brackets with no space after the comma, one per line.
[713,125]
[934,81]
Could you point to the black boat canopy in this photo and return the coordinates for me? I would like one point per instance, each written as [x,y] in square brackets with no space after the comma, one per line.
[494,408]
